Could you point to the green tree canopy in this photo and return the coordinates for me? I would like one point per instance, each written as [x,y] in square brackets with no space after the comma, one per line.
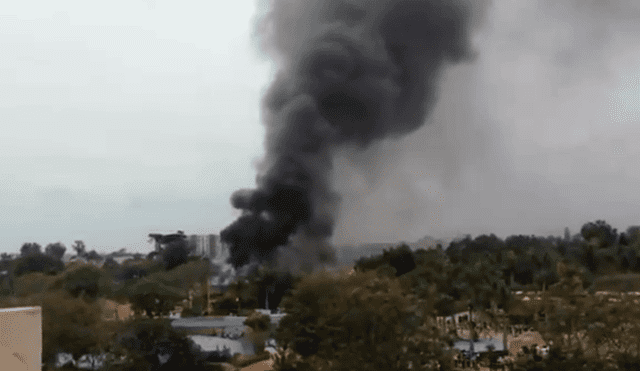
[86,281]
[600,232]
[150,296]
[30,249]
[143,341]
[37,263]
[400,258]
[359,321]
[55,250]
[80,248]
[175,253]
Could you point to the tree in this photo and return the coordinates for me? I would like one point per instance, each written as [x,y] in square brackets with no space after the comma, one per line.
[455,250]
[147,344]
[80,248]
[633,234]
[271,286]
[599,233]
[85,281]
[37,263]
[524,269]
[520,243]
[30,249]
[130,272]
[175,253]
[432,269]
[55,250]
[151,296]
[245,292]
[110,265]
[93,256]
[567,234]
[193,276]
[486,244]
[260,326]
[590,259]
[188,275]
[356,322]
[400,258]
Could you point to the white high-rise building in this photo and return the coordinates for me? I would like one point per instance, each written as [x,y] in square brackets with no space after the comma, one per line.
[207,245]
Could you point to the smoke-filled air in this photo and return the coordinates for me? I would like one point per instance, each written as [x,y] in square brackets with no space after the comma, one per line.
[349,74]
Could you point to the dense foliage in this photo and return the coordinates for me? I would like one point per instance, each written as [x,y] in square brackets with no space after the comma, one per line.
[361,321]
[379,316]
[146,343]
[73,317]
[37,262]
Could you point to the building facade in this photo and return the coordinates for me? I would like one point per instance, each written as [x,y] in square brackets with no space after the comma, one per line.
[21,338]
[205,245]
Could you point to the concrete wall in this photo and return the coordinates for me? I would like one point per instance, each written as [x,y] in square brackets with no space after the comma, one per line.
[21,338]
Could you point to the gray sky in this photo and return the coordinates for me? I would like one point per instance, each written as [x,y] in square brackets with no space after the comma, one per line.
[130,117]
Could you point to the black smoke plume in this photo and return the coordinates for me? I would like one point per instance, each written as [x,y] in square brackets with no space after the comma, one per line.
[350,73]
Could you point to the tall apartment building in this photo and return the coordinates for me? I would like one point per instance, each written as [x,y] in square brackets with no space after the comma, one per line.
[204,245]
[207,245]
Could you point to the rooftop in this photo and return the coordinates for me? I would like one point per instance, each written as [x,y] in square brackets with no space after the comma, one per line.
[20,309]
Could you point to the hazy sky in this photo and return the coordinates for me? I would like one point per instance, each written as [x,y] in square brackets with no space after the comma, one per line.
[123,118]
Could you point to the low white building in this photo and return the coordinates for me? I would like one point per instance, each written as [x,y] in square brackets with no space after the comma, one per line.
[123,258]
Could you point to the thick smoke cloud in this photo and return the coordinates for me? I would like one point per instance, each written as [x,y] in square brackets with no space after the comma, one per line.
[524,140]
[351,73]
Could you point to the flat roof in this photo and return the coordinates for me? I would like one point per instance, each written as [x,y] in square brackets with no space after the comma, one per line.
[19,309]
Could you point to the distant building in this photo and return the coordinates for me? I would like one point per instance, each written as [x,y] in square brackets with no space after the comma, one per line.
[161,240]
[12,256]
[123,258]
[205,245]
